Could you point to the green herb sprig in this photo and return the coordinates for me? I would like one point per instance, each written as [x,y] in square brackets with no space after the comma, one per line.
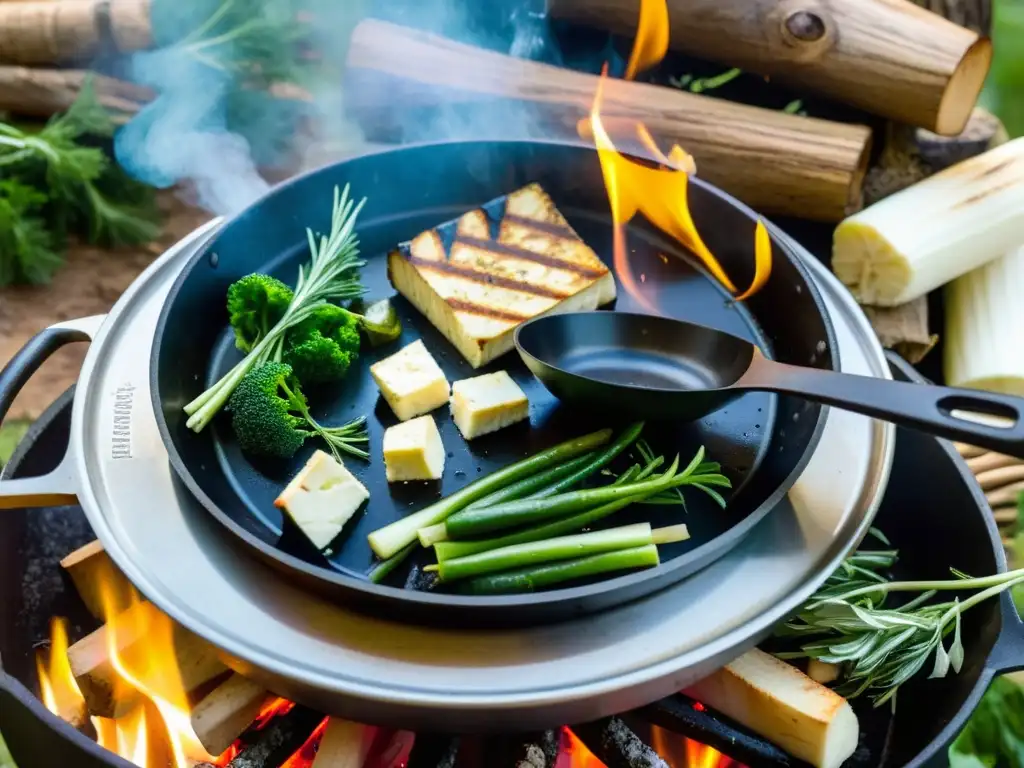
[58,182]
[879,648]
[331,274]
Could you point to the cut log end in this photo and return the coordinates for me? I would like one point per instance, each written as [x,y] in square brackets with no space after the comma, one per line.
[964,88]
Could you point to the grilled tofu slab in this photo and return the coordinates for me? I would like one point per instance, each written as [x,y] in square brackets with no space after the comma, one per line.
[479,277]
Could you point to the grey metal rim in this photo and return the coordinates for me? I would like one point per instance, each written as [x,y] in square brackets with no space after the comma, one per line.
[358,666]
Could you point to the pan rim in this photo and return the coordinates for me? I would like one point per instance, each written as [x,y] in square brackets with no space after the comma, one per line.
[650,677]
[421,599]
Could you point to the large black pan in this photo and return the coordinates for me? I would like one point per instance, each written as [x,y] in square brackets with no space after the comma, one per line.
[933,512]
[762,441]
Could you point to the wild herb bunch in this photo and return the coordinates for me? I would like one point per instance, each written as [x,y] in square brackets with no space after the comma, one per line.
[879,647]
[59,182]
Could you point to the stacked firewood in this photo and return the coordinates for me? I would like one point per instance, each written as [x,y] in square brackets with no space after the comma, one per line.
[1001,479]
[229,711]
[43,41]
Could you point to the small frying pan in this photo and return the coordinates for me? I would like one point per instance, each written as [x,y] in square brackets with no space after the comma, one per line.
[762,441]
[648,365]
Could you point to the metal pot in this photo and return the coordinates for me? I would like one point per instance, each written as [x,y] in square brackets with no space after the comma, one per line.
[373,670]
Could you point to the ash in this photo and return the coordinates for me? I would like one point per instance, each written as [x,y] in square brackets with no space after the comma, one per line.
[50,535]
[620,740]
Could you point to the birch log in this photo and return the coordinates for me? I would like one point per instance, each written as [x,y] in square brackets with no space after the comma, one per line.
[888,57]
[775,162]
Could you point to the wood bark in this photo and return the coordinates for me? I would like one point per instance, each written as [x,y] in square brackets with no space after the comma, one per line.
[42,93]
[973,14]
[888,57]
[775,162]
[45,32]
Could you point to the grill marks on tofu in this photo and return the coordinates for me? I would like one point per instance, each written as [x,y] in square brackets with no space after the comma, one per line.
[481,288]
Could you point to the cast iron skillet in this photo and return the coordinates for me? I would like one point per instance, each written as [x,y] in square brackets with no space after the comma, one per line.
[762,441]
[933,512]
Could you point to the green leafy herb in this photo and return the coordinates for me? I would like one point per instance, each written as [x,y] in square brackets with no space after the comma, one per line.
[702,84]
[59,181]
[795,107]
[879,648]
[331,274]
[994,736]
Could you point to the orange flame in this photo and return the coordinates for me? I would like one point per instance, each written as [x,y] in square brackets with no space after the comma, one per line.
[659,192]
[576,754]
[306,754]
[156,731]
[652,37]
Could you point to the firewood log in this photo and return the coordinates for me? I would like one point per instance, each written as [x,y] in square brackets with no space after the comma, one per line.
[42,93]
[775,162]
[227,712]
[106,694]
[97,579]
[888,57]
[46,32]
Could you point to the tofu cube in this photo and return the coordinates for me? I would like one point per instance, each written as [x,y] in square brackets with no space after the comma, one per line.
[487,403]
[322,498]
[411,381]
[413,450]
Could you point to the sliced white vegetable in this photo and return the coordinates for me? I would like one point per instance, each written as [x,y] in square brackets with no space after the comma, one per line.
[933,232]
[822,672]
[322,498]
[783,705]
[985,327]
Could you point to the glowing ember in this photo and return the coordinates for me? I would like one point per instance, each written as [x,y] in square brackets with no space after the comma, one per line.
[306,754]
[658,192]
[270,710]
[680,752]
[574,753]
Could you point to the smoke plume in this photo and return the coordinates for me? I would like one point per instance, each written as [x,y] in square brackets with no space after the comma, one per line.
[214,128]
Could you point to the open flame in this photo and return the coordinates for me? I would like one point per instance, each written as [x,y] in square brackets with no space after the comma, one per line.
[156,731]
[658,192]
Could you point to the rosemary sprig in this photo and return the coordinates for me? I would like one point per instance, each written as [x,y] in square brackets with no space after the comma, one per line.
[331,274]
[879,648]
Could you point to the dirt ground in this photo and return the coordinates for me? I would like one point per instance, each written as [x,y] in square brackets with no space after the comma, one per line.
[89,284]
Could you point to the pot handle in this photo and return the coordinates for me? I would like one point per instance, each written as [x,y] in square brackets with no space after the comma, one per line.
[60,485]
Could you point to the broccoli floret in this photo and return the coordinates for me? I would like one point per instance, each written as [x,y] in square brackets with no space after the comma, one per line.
[323,347]
[270,416]
[255,304]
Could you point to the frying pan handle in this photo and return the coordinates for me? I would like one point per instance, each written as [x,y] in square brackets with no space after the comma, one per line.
[59,486]
[929,408]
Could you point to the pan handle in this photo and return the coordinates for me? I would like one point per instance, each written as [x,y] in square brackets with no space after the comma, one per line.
[930,408]
[60,485]
[1007,654]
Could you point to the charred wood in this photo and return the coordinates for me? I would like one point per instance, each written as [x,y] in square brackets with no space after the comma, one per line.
[617,746]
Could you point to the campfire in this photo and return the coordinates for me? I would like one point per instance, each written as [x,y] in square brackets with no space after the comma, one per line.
[158,696]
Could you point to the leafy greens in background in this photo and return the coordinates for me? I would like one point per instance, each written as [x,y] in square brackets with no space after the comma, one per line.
[994,737]
[1004,90]
[58,182]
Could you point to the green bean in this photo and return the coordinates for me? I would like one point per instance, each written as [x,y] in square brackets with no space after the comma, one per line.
[549,550]
[601,460]
[447,550]
[388,540]
[385,567]
[528,485]
[538,577]
[475,522]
